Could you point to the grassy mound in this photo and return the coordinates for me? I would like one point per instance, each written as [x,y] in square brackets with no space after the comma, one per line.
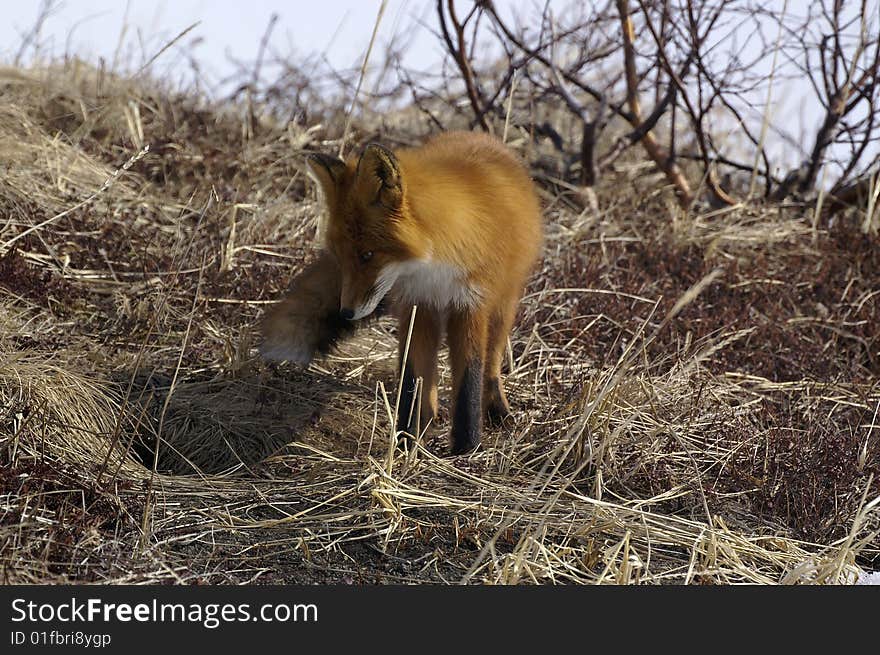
[695,393]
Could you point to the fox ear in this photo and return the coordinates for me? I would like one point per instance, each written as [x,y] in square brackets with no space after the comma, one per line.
[378,177]
[327,171]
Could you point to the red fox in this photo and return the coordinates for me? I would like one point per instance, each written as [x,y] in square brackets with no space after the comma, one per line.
[453,227]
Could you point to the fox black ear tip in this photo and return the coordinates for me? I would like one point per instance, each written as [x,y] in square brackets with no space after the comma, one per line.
[317,159]
[323,160]
[378,147]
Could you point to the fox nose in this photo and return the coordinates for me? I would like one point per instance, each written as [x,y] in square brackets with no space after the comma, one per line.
[347,314]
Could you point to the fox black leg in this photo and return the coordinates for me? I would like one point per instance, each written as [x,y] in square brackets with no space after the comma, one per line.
[408,410]
[418,404]
[466,422]
[467,346]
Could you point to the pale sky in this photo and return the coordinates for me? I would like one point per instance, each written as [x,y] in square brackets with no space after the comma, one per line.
[131,32]
[227,28]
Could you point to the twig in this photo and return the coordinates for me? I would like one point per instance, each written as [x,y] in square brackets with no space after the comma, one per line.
[655,152]
[363,73]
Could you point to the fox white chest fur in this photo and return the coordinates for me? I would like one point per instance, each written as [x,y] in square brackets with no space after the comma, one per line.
[440,285]
[425,282]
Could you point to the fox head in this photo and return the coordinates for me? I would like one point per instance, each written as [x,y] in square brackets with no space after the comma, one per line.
[367,226]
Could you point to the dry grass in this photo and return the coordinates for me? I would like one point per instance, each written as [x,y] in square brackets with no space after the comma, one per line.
[696,396]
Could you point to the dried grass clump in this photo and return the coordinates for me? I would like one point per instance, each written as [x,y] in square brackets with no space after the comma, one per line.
[695,393]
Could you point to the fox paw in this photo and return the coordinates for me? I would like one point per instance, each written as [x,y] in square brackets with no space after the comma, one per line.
[498,415]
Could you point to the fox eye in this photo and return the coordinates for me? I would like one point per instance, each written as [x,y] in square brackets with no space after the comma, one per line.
[366,256]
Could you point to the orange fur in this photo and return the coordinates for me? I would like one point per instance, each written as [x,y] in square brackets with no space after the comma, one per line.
[453,227]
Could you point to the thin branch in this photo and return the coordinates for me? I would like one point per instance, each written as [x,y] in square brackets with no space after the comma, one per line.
[649,142]
[458,52]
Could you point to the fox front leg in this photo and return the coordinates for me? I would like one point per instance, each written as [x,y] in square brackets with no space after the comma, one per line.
[467,349]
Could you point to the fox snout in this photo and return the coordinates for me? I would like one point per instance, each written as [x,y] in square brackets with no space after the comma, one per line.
[354,302]
[360,309]
[358,301]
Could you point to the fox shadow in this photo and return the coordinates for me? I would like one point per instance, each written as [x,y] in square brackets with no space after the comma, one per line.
[208,424]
